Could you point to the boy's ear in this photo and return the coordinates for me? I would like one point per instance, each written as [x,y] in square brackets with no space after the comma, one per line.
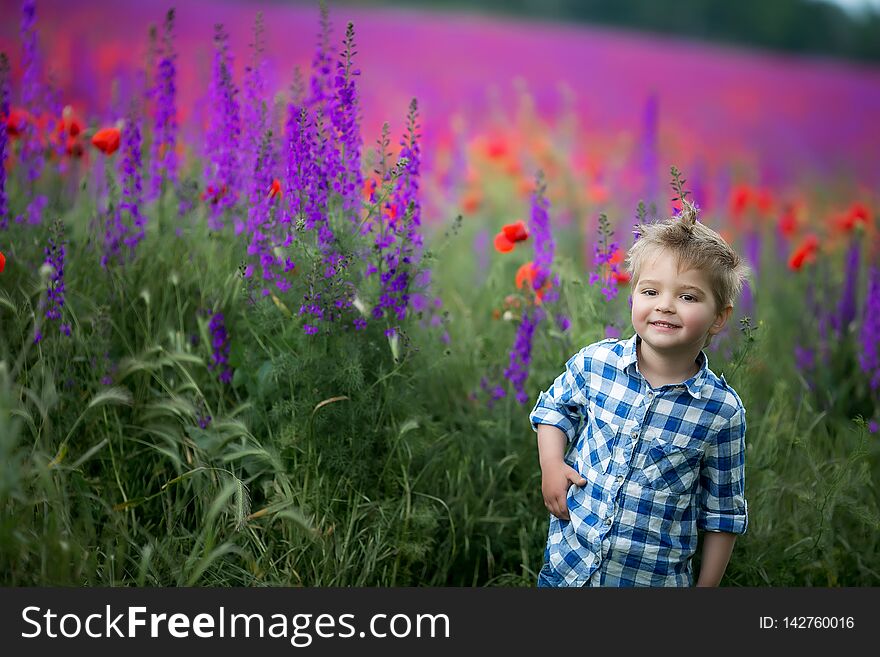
[720,320]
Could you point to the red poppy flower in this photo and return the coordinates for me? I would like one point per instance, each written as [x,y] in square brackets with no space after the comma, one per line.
[597,194]
[497,148]
[2,262]
[806,252]
[68,123]
[214,195]
[740,199]
[529,272]
[788,221]
[390,211]
[369,187]
[857,214]
[764,201]
[106,140]
[513,168]
[74,147]
[503,244]
[516,232]
[471,201]
[525,273]
[275,189]
[17,121]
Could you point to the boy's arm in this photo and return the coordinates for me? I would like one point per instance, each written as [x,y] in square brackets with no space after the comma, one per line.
[556,474]
[557,419]
[722,503]
[723,512]
[717,547]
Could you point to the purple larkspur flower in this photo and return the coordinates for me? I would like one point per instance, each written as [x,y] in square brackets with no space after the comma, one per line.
[132,186]
[605,269]
[313,162]
[4,138]
[521,355]
[254,123]
[320,82]
[55,253]
[32,97]
[805,358]
[115,235]
[260,224]
[220,346]
[299,167]
[753,257]
[846,310]
[223,135]
[163,154]
[649,147]
[869,338]
[343,109]
[543,245]
[399,240]
[563,322]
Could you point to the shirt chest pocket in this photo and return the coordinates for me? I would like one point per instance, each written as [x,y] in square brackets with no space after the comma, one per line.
[671,468]
[599,449]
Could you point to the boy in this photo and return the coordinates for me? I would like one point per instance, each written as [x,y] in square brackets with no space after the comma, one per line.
[651,439]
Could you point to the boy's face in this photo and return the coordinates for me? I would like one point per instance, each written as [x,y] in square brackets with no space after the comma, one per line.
[674,312]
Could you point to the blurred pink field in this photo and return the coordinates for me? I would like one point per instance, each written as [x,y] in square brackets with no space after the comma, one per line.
[778,119]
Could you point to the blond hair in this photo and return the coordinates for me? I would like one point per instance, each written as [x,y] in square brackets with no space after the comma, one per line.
[695,246]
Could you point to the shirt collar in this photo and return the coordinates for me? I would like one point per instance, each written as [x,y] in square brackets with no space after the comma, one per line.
[694,385]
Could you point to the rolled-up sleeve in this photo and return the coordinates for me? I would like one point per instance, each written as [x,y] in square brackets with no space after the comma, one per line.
[562,404]
[723,505]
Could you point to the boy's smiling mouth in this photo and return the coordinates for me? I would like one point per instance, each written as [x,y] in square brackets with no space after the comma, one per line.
[665,325]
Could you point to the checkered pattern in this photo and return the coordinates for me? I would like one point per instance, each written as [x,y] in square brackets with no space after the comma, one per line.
[660,464]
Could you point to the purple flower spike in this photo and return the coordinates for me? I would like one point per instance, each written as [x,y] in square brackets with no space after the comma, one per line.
[521,356]
[869,358]
[220,345]
[398,239]
[33,97]
[163,160]
[344,118]
[55,251]
[132,187]
[224,130]
[4,139]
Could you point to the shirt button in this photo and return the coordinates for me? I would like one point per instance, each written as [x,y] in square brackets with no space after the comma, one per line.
[608,521]
[619,480]
[635,433]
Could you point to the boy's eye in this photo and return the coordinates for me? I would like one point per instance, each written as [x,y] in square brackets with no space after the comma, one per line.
[688,297]
[649,292]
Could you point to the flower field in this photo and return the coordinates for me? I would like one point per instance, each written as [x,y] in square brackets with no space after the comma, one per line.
[279,286]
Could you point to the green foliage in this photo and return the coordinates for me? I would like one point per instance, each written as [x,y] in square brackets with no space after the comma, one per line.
[331,462]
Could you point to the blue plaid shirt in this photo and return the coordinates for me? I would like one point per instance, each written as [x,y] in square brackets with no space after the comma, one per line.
[660,464]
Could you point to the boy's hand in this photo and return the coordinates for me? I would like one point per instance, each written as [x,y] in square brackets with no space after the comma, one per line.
[555,480]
